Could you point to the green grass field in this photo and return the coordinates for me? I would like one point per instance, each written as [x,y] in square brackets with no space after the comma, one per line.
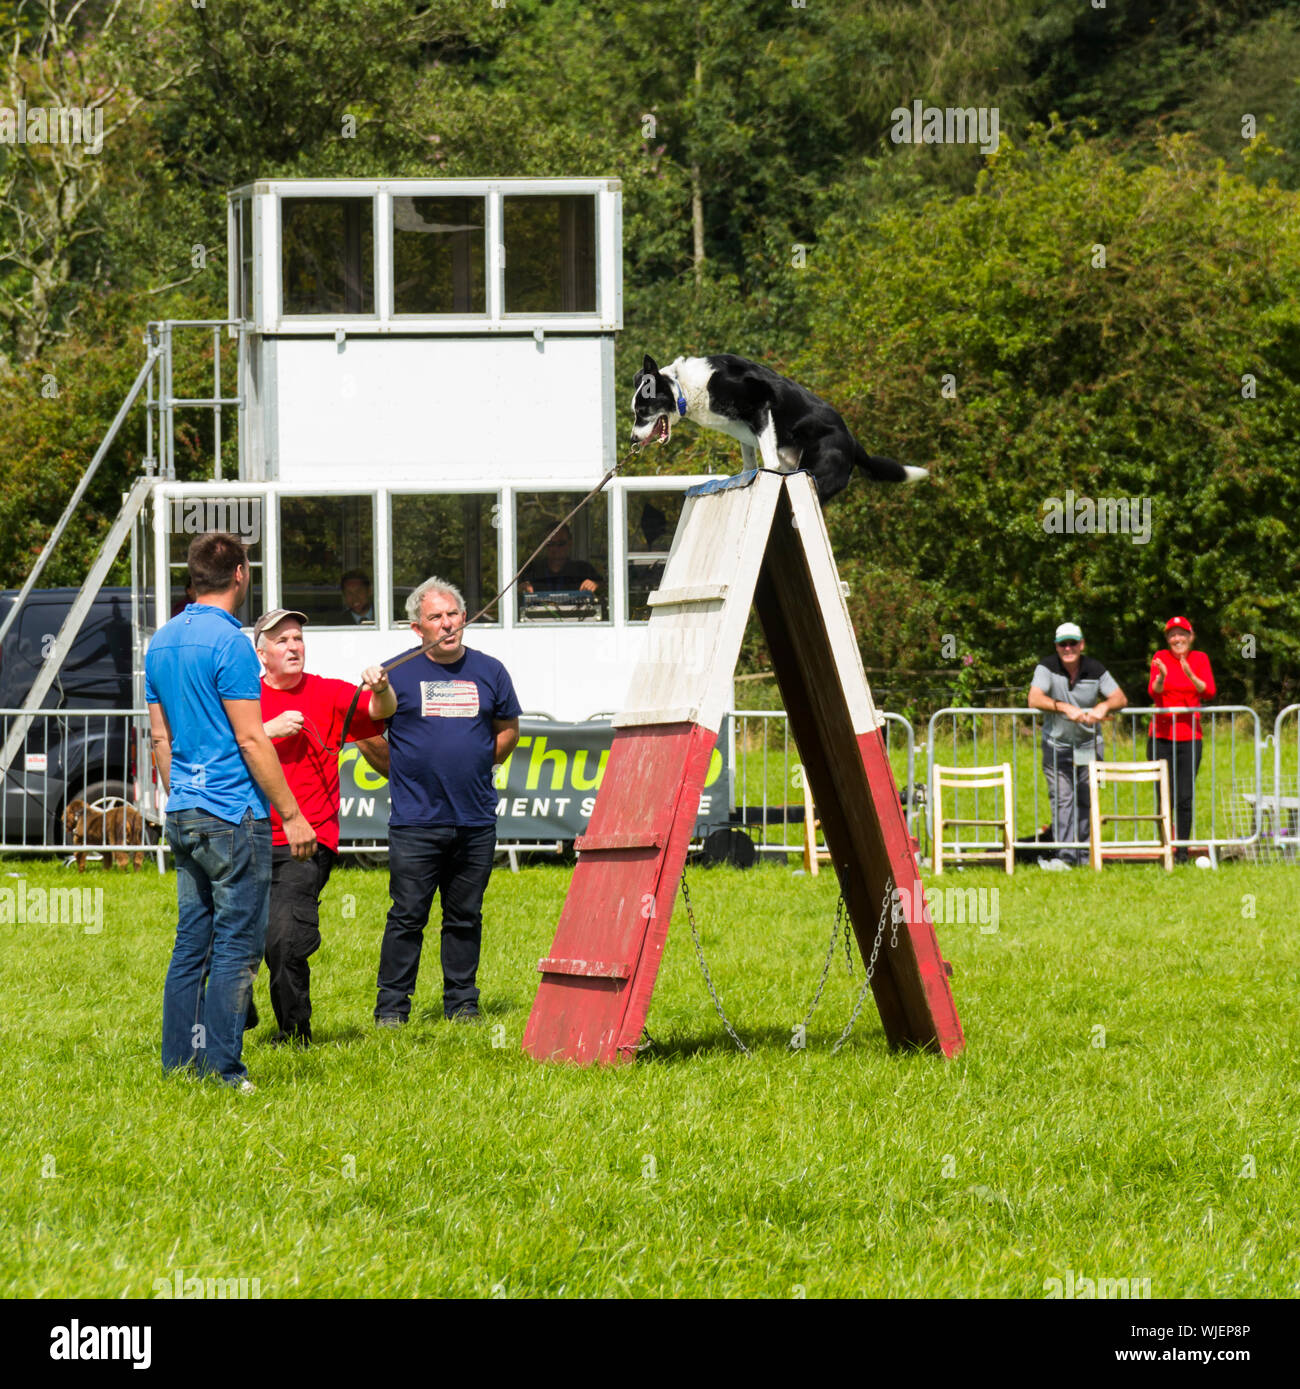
[1125,1108]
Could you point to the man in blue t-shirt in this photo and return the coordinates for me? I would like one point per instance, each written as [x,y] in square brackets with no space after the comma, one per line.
[202,684]
[457,717]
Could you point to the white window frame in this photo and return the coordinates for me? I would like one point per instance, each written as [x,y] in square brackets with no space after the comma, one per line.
[471,489]
[379,548]
[564,489]
[267,197]
[162,497]
[378,260]
[556,316]
[408,319]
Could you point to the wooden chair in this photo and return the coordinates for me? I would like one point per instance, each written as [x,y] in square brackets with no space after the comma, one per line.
[974,779]
[1103,774]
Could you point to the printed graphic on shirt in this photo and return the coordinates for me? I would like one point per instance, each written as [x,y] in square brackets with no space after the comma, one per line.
[448,699]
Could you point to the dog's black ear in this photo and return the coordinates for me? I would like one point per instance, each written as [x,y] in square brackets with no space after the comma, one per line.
[648,365]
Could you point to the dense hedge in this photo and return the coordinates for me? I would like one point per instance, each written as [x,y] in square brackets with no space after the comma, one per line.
[1133,379]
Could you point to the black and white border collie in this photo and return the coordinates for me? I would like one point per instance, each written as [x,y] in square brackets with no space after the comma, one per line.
[774,419]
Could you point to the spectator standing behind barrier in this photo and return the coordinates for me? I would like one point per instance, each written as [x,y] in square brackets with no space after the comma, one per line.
[1066,686]
[304,714]
[1180,678]
[457,716]
[218,768]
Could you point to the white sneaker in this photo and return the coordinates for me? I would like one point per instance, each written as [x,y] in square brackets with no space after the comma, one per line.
[1054,865]
[246,1087]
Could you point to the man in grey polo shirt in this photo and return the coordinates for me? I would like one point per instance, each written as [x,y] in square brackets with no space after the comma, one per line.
[1076,692]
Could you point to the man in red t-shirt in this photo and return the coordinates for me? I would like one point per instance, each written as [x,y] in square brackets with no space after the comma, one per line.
[303,716]
[1180,679]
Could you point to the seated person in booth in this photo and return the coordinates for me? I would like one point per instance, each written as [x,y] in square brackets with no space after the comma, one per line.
[303,716]
[1180,679]
[1077,692]
[358,604]
[556,571]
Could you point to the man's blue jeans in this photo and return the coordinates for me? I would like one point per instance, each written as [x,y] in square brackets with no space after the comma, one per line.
[457,861]
[223,890]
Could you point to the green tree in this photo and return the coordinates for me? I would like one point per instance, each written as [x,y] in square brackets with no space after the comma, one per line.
[54,172]
[1117,332]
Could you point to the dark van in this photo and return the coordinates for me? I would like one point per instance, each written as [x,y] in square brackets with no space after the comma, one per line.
[72,755]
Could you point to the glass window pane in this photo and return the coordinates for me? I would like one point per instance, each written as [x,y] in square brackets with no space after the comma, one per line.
[188,517]
[438,256]
[651,524]
[569,580]
[327,558]
[328,255]
[245,258]
[454,537]
[550,254]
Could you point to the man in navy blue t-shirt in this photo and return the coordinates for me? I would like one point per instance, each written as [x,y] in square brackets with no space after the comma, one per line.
[457,716]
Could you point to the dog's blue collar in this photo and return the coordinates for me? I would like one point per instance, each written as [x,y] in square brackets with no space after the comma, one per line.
[681,398]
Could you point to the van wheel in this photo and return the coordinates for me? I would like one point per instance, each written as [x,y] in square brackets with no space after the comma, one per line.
[114,792]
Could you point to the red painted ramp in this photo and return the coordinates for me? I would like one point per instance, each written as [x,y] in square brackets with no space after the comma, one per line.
[600,974]
[756,539]
[912,989]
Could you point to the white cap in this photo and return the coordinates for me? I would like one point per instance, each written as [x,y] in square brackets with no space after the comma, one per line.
[1068,631]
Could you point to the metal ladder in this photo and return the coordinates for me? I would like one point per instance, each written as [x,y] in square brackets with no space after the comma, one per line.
[163,402]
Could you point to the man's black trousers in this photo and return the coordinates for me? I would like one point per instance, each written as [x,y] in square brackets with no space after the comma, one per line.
[455,861]
[293,933]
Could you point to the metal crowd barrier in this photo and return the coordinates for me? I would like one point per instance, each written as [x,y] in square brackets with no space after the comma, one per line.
[770,808]
[1231,762]
[1279,813]
[71,752]
[75,755]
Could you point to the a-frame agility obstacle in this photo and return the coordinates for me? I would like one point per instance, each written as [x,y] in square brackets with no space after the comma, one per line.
[756,538]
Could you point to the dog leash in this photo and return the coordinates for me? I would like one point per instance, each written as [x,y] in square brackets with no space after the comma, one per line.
[487,607]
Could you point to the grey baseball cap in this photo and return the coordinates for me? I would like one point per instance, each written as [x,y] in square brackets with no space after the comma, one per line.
[274,616]
[1069,631]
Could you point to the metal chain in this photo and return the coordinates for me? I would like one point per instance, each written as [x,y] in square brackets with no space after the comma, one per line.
[891,900]
[708,978]
[826,968]
[891,906]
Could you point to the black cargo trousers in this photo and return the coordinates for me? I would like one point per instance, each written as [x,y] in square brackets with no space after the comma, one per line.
[293,934]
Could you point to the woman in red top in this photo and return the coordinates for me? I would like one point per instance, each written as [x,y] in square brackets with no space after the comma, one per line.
[1180,678]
